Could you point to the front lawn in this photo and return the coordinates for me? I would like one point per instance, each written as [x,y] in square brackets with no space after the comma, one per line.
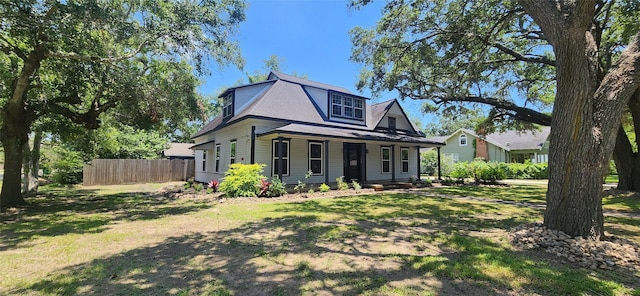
[135,240]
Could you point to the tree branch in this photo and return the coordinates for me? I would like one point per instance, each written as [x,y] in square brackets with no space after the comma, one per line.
[13,48]
[518,112]
[520,57]
[108,60]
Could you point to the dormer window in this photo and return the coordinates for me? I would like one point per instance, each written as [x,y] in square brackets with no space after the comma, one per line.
[347,107]
[227,106]
[392,123]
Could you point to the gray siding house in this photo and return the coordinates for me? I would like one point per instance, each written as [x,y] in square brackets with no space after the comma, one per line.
[510,146]
[294,125]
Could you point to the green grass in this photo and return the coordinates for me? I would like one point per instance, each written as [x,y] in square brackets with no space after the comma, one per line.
[126,241]
[611,179]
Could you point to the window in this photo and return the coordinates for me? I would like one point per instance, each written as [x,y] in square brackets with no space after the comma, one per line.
[336,105]
[227,106]
[285,158]
[204,160]
[347,107]
[315,158]
[232,158]
[392,123]
[217,157]
[463,140]
[404,157]
[453,156]
[386,160]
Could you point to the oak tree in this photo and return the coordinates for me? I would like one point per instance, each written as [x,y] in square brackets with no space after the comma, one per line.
[520,58]
[80,59]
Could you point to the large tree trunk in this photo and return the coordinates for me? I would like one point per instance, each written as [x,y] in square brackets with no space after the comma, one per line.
[626,163]
[31,164]
[11,192]
[626,160]
[586,114]
[17,117]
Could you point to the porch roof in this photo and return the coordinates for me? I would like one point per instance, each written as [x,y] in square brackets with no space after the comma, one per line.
[342,133]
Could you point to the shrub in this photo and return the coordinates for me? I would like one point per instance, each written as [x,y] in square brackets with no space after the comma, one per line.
[198,187]
[356,185]
[429,163]
[67,169]
[460,171]
[324,188]
[301,185]
[242,180]
[342,185]
[277,187]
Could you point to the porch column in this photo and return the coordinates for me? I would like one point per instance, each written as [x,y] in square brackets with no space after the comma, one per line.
[439,167]
[393,163]
[280,148]
[253,144]
[326,162]
[419,168]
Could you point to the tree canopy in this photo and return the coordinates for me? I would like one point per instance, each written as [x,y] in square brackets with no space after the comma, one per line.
[79,59]
[522,58]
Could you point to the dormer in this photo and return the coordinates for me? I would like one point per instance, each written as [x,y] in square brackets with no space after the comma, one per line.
[227,105]
[347,108]
[392,118]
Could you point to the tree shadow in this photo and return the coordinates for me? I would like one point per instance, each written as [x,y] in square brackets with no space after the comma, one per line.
[403,248]
[86,211]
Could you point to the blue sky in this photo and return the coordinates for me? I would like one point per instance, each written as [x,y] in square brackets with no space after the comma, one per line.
[311,37]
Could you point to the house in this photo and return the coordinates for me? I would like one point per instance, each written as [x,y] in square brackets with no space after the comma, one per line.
[294,125]
[179,151]
[510,146]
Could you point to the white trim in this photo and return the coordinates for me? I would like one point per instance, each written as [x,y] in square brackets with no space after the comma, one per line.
[382,149]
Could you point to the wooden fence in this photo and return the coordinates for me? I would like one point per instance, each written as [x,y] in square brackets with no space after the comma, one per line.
[123,171]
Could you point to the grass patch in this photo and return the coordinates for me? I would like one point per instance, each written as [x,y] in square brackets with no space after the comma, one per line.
[131,241]
[517,193]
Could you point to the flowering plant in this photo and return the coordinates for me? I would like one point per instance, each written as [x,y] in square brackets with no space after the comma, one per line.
[213,185]
[264,187]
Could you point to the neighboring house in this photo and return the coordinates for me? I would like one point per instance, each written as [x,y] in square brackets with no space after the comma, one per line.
[294,125]
[509,146]
[179,151]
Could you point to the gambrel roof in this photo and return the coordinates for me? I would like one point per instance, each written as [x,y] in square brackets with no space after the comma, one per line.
[287,99]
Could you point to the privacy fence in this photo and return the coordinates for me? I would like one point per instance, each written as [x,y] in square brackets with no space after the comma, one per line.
[123,171]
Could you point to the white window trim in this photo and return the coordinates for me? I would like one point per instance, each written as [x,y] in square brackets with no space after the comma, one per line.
[321,158]
[217,158]
[233,151]
[343,106]
[204,160]
[403,161]
[382,160]
[274,157]
[227,106]
[466,140]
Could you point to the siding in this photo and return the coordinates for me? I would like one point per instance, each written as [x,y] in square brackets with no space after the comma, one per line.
[402,123]
[241,132]
[465,153]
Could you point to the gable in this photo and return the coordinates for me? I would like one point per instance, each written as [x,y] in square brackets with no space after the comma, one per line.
[392,109]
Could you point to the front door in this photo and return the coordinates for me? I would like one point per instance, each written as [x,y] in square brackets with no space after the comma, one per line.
[353,162]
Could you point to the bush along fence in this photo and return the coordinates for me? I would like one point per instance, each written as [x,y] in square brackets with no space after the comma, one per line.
[126,171]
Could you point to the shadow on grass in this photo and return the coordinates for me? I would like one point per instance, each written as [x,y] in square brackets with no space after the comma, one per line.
[360,252]
[59,212]
[629,201]
[517,193]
